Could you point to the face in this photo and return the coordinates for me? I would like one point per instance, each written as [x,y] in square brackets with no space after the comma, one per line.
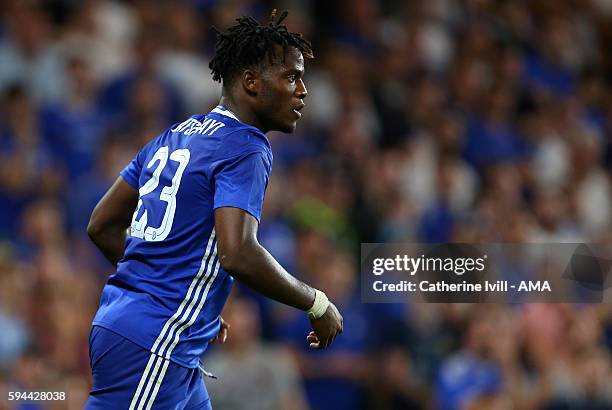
[282,92]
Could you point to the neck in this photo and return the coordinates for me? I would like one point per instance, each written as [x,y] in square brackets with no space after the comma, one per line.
[242,111]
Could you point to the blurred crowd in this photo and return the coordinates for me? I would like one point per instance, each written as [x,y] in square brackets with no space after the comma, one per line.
[426,121]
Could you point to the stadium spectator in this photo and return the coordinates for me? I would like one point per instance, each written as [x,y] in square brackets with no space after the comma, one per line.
[252,371]
[469,121]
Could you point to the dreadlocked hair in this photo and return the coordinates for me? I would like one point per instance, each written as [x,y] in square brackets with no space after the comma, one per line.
[247,44]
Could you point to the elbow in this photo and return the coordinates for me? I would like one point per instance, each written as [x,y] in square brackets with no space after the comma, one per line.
[235,259]
[230,262]
[94,230]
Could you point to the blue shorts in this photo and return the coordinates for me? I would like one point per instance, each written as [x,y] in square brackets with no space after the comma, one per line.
[127,376]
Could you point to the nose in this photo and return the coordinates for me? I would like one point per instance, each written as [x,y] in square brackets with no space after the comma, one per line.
[301,89]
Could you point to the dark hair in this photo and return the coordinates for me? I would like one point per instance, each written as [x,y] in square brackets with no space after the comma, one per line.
[247,44]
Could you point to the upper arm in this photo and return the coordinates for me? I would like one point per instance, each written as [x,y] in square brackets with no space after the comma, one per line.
[235,228]
[241,182]
[115,208]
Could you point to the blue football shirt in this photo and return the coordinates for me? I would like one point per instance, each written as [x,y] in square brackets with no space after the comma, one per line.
[170,288]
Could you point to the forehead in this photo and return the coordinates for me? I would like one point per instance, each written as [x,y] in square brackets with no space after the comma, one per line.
[289,58]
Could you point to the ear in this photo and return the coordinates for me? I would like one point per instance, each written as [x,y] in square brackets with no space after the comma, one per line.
[251,82]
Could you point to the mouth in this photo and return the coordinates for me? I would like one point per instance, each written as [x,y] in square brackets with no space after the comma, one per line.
[297,109]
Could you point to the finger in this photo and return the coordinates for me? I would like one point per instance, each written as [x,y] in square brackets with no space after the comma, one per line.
[326,343]
[315,341]
[333,337]
[316,345]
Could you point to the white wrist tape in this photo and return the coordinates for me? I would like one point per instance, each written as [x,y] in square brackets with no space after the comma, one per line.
[319,307]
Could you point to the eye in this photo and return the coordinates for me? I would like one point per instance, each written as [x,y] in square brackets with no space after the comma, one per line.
[292,78]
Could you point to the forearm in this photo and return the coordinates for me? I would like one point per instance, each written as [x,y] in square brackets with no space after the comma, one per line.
[258,270]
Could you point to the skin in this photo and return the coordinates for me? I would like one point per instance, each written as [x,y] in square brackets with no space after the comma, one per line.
[268,98]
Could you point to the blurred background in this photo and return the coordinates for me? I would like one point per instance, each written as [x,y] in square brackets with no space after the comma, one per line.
[429,121]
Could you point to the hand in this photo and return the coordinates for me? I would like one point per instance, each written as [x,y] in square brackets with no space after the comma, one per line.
[222,335]
[326,328]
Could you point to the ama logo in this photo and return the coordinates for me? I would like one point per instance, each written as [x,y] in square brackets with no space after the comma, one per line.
[534,286]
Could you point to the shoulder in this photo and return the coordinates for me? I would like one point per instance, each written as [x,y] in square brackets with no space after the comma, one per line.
[243,140]
[155,143]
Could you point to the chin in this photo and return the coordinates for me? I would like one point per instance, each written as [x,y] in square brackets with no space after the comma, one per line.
[287,128]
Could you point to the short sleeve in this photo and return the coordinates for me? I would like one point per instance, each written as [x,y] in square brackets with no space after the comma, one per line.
[131,173]
[241,182]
